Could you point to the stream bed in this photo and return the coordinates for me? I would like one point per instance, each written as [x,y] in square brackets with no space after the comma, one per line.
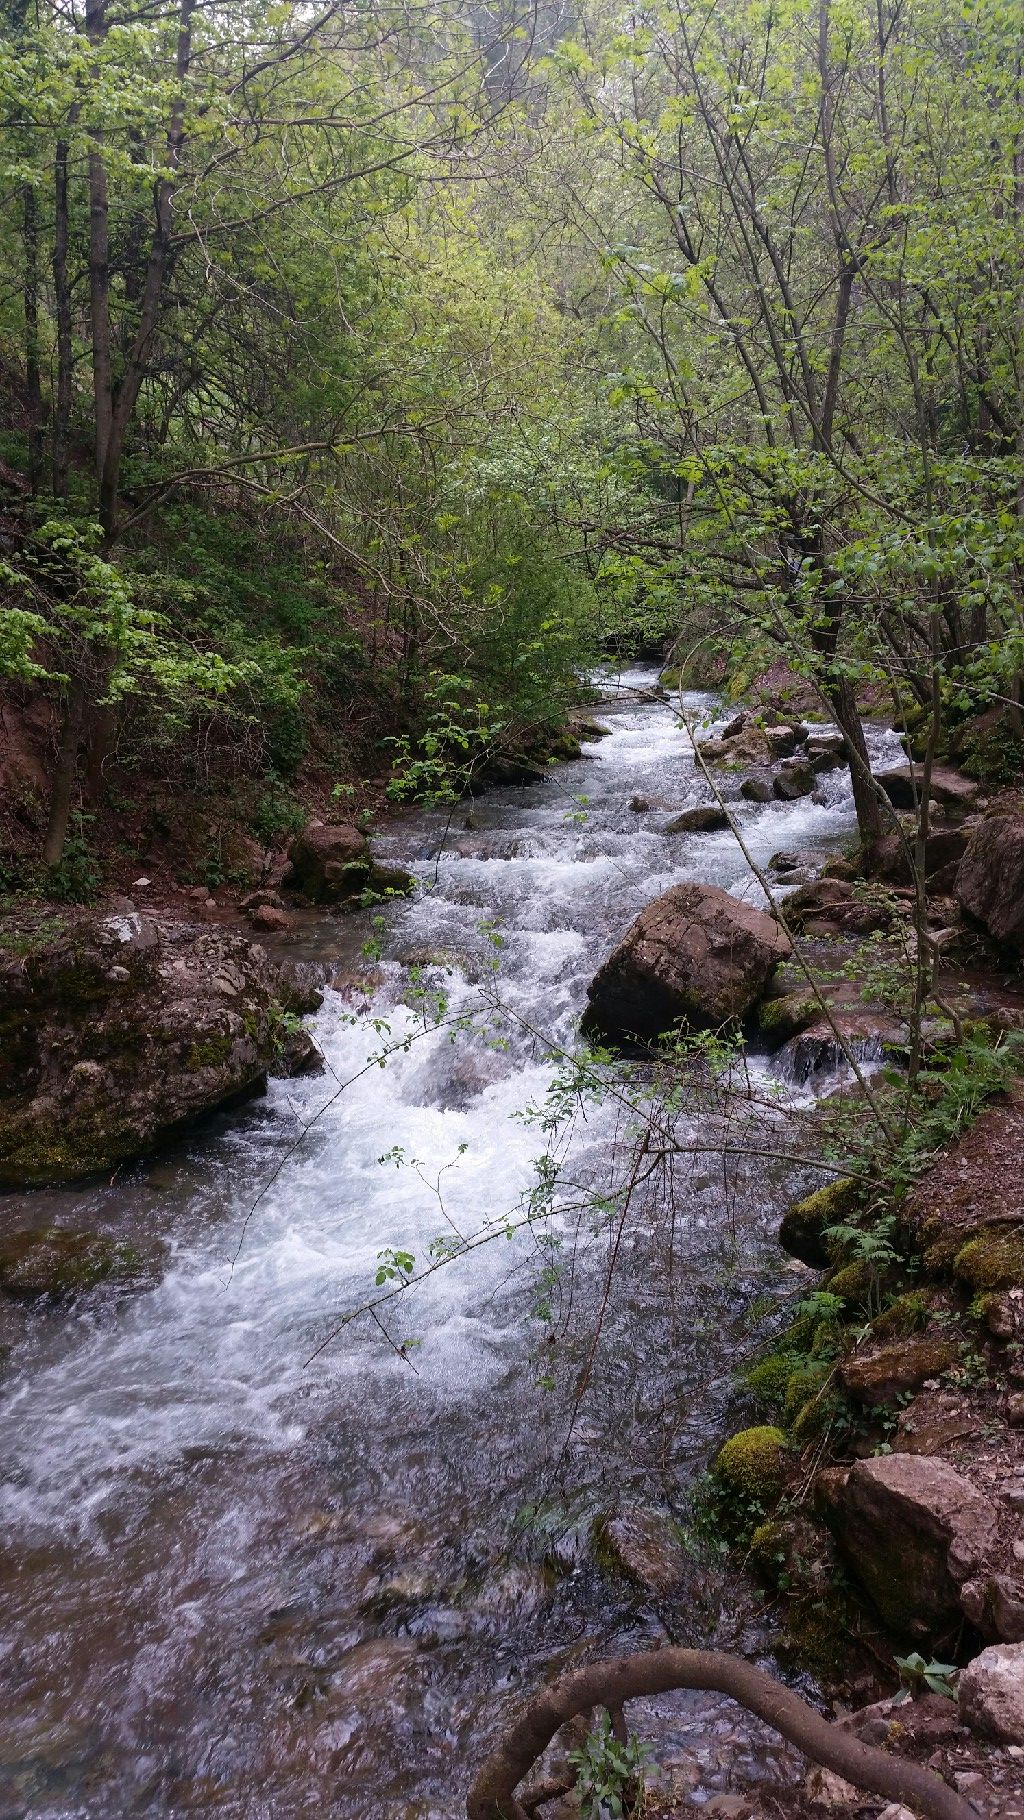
[242,1580]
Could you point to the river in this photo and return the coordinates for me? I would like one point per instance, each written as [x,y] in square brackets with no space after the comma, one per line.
[242,1580]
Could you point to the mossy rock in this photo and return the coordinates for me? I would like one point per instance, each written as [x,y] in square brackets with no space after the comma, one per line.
[389,881]
[993,1260]
[903,1317]
[767,1550]
[781,1018]
[897,1369]
[860,1283]
[815,1416]
[801,1385]
[753,1464]
[56,1264]
[852,1283]
[767,1380]
[802,1230]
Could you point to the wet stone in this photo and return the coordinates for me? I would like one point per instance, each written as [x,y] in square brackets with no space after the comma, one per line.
[645,1546]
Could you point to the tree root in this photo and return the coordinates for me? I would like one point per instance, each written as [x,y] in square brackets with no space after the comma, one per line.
[619,1678]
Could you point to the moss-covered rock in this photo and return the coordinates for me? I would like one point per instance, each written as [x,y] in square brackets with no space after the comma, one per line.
[53,1262]
[906,1315]
[886,1372]
[753,1464]
[118,1031]
[767,1380]
[803,1227]
[781,1018]
[993,1260]
[802,1385]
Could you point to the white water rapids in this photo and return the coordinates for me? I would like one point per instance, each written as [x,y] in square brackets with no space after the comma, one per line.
[239,1583]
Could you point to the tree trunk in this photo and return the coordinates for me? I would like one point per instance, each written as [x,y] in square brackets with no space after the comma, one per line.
[33,378]
[62,303]
[843,702]
[66,772]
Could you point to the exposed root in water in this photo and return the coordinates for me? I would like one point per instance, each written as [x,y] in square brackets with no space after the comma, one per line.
[616,1679]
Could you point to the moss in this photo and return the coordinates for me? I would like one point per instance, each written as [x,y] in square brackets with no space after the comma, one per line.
[907,1315]
[669,679]
[781,1018]
[753,1464]
[803,1227]
[212,1052]
[60,1264]
[802,1385]
[853,1283]
[993,1260]
[767,1551]
[767,1380]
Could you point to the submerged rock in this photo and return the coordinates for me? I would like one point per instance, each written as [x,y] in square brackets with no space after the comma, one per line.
[645,1546]
[53,1262]
[695,956]
[116,1033]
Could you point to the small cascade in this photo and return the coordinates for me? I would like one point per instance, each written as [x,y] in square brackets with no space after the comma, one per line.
[253,1554]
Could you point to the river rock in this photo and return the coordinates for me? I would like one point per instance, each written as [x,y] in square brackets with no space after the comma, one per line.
[990,882]
[708,819]
[270,919]
[645,1546]
[794,781]
[55,1263]
[891,859]
[116,1033]
[695,955]
[757,790]
[331,863]
[914,1530]
[991,1693]
[841,904]
[784,740]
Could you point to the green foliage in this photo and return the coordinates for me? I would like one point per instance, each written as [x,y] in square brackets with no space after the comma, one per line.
[77,877]
[609,1775]
[919,1676]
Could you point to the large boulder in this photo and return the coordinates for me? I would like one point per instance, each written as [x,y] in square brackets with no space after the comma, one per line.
[117,1032]
[990,882]
[694,956]
[330,861]
[915,1531]
[947,786]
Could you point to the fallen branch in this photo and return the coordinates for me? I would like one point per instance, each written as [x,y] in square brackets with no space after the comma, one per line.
[611,1682]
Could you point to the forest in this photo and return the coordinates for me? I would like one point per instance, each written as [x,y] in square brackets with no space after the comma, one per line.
[435,434]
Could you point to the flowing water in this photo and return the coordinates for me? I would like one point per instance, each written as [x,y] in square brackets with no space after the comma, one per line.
[241,1581]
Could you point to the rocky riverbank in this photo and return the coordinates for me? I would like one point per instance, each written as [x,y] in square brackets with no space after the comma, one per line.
[119,1031]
